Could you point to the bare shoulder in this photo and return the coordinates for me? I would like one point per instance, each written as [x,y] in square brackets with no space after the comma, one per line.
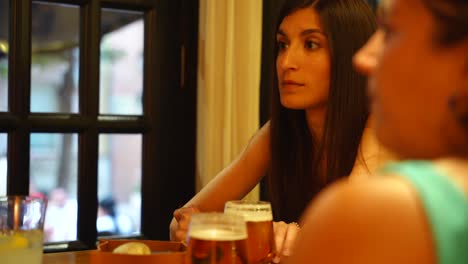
[378,220]
[264,132]
[259,143]
[257,152]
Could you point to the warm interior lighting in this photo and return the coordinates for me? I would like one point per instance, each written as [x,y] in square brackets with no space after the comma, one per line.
[3,47]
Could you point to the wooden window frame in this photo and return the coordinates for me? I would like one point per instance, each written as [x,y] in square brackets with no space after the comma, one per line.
[167,125]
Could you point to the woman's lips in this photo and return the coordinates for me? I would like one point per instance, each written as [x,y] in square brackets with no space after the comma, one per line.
[290,85]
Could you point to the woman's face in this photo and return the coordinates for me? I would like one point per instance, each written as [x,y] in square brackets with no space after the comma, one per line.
[411,79]
[303,61]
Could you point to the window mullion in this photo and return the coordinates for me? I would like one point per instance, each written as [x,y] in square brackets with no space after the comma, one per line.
[19,96]
[88,139]
[149,180]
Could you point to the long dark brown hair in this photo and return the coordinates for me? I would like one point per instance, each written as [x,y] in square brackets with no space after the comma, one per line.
[301,164]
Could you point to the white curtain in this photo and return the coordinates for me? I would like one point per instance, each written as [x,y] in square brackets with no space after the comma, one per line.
[230,34]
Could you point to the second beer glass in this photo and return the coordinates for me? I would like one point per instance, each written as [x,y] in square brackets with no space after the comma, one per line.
[260,235]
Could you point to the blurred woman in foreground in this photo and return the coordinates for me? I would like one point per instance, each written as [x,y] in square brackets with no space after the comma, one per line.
[417,210]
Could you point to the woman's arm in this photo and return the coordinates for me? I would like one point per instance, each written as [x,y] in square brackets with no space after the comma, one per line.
[240,177]
[232,183]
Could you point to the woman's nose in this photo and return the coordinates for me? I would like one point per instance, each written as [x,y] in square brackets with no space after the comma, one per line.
[366,59]
[288,59]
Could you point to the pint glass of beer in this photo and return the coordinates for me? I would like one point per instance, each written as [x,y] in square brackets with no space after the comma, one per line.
[216,238]
[260,235]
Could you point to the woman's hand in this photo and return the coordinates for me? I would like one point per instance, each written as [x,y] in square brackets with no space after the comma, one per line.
[285,234]
[180,223]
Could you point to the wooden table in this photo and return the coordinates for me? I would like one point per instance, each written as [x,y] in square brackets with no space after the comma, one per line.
[74,257]
[84,257]
[175,250]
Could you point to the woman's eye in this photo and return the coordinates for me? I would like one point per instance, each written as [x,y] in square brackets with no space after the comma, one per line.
[387,30]
[309,44]
[282,45]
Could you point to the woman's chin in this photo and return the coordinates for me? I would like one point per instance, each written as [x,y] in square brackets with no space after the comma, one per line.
[293,104]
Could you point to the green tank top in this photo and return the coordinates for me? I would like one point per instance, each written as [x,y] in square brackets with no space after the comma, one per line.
[445,206]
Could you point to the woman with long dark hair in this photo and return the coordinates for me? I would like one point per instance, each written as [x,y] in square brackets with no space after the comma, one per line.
[316,129]
[317,132]
[416,210]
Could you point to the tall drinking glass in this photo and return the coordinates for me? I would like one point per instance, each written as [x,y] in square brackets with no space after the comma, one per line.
[21,229]
[216,238]
[260,235]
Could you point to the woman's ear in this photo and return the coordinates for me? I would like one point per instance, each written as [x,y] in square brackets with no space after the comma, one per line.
[458,102]
[464,51]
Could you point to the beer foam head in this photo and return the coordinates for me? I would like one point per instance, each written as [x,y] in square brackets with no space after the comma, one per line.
[256,216]
[217,226]
[217,234]
[251,211]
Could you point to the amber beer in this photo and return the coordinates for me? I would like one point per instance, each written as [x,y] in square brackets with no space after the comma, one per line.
[260,236]
[215,238]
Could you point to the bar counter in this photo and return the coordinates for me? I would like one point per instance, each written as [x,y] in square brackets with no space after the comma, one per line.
[74,257]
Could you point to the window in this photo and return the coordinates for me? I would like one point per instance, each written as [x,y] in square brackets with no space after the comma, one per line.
[97,113]
[121,78]
[3,163]
[4,33]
